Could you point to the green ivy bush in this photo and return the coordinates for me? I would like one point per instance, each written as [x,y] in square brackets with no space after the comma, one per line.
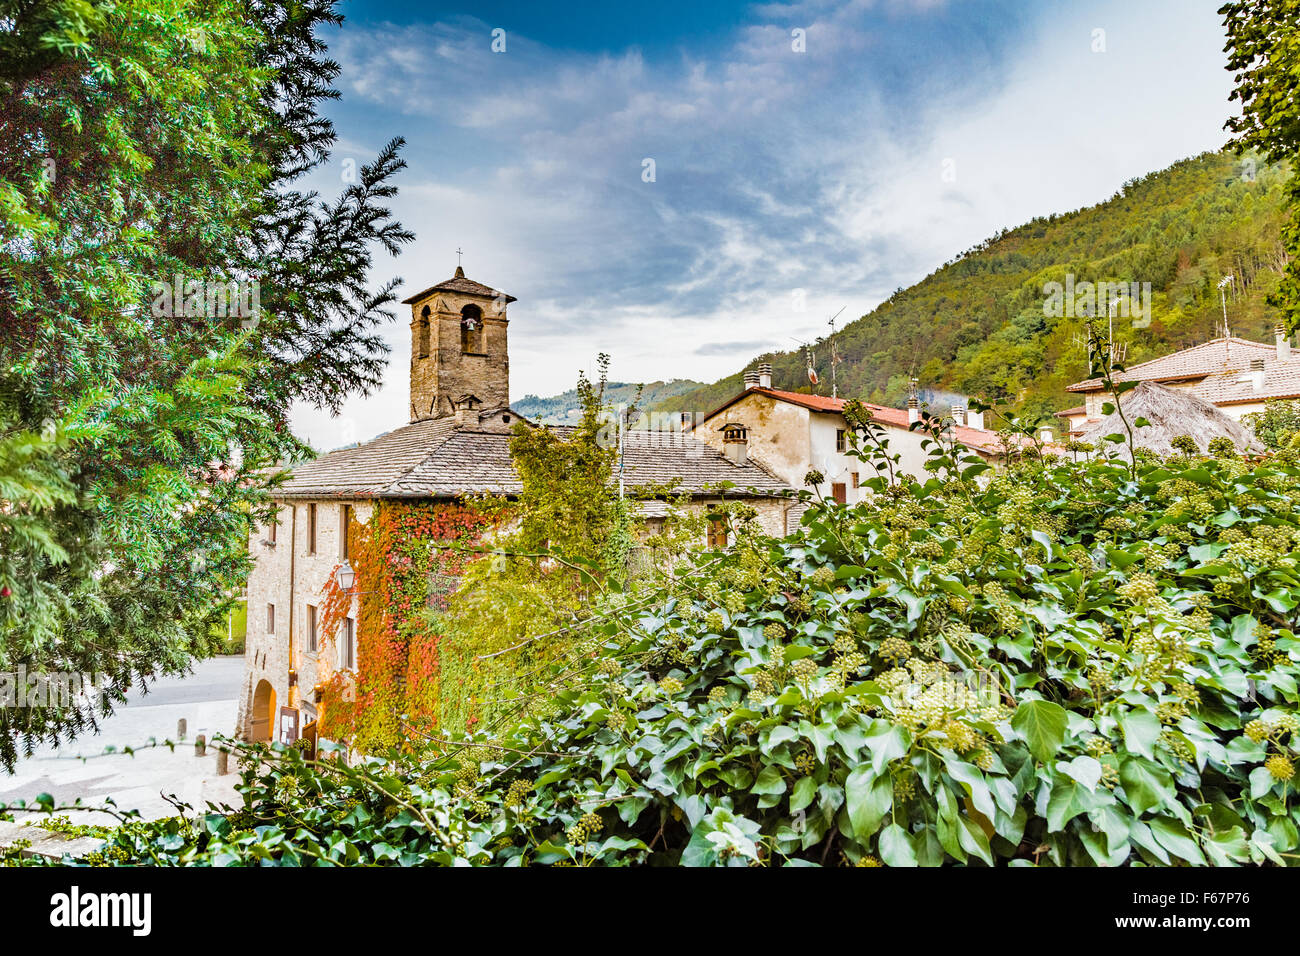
[1063,663]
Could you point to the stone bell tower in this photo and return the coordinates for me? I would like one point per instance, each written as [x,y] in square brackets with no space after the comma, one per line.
[459,357]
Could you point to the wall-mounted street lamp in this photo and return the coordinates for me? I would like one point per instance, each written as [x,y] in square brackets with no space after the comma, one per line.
[346,575]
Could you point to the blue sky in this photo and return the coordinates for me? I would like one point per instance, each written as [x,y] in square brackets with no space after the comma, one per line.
[787,183]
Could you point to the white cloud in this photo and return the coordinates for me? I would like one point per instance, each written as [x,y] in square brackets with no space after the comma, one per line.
[775,170]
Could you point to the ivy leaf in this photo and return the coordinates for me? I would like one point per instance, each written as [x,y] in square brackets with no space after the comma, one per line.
[1141,731]
[1042,724]
[895,847]
[769,782]
[867,799]
[886,742]
[1146,785]
[1068,799]
[1085,770]
[1173,836]
[803,794]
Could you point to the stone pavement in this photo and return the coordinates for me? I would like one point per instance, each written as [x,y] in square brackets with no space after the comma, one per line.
[208,701]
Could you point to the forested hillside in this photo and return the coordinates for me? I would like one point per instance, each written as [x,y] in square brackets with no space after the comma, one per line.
[566,408]
[977,325]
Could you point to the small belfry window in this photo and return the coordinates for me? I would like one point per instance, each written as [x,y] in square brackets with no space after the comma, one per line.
[471,329]
[270,619]
[422,333]
[345,518]
[311,529]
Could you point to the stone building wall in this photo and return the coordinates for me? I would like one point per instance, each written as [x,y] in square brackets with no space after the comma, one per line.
[290,577]
[779,435]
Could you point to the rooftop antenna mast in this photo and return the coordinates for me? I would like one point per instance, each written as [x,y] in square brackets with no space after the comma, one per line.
[1118,350]
[835,356]
[1224,283]
[810,358]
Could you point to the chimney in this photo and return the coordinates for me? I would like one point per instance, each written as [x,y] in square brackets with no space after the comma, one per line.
[913,402]
[975,420]
[765,375]
[466,411]
[1283,343]
[959,414]
[735,443]
[751,379]
[1257,374]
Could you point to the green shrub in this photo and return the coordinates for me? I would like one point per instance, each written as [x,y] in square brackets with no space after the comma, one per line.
[1062,666]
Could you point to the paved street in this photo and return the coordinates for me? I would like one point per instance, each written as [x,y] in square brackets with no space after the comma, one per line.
[207,699]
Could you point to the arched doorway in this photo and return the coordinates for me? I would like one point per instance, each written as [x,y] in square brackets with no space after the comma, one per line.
[261,726]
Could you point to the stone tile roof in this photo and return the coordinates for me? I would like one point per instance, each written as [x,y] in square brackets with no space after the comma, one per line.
[458,283]
[976,438]
[439,460]
[658,457]
[1281,380]
[1209,358]
[367,470]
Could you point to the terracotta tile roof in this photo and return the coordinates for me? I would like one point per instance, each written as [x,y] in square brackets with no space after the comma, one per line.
[1071,412]
[976,438]
[439,460]
[458,283]
[1209,358]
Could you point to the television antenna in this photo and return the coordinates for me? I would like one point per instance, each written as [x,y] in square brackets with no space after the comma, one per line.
[810,358]
[835,356]
[1224,284]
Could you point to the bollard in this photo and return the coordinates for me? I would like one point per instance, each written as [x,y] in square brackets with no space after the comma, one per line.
[200,745]
[223,762]
[180,729]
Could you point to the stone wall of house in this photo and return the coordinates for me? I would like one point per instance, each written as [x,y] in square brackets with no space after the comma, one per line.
[778,435]
[289,576]
[442,372]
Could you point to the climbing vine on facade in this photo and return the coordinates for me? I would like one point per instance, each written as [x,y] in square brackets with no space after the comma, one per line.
[399,556]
